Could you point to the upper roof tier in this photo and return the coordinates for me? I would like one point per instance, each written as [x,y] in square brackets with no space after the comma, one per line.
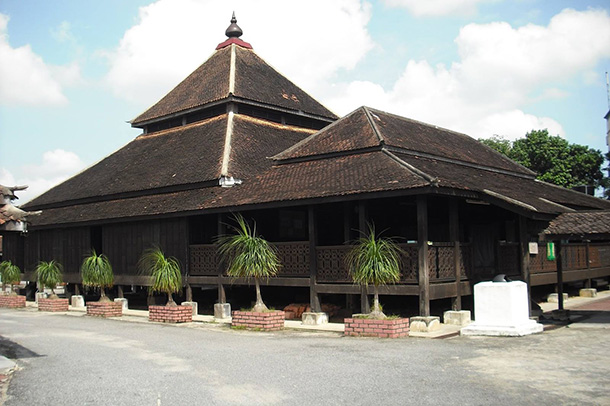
[233,70]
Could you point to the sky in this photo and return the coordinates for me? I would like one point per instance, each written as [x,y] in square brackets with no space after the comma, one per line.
[74,72]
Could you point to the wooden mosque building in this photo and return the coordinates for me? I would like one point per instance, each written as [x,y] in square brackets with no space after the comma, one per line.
[237,136]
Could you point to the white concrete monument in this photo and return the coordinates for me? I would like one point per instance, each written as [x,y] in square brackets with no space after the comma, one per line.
[501,309]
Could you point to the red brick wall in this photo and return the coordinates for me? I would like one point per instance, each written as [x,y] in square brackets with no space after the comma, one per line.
[269,321]
[170,314]
[53,305]
[104,309]
[12,301]
[393,328]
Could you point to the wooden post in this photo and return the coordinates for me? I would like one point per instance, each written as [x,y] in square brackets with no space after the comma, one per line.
[221,230]
[314,299]
[347,227]
[76,289]
[559,275]
[422,245]
[588,259]
[365,306]
[454,235]
[524,250]
[120,292]
[189,293]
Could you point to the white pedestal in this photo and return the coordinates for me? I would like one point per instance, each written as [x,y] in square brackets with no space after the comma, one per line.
[77,301]
[222,311]
[314,319]
[501,309]
[194,305]
[124,302]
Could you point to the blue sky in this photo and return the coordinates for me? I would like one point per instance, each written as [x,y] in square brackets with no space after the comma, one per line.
[73,72]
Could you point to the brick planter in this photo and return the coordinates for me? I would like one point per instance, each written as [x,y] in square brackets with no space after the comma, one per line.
[105,309]
[392,328]
[12,301]
[52,305]
[170,314]
[268,321]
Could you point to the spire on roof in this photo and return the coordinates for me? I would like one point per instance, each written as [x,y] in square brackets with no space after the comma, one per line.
[233,31]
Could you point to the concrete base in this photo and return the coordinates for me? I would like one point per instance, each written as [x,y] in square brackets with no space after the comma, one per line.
[423,324]
[314,319]
[554,298]
[561,315]
[529,327]
[124,302]
[587,292]
[457,317]
[42,295]
[222,310]
[77,301]
[194,305]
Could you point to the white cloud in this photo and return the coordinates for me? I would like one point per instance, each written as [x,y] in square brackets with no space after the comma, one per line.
[501,70]
[422,8]
[55,167]
[173,37]
[63,32]
[25,79]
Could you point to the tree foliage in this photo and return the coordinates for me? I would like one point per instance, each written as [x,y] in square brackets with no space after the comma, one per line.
[165,272]
[96,272]
[49,275]
[249,255]
[10,274]
[374,260]
[553,158]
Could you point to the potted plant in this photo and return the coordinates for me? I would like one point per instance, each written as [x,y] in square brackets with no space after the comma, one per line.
[49,275]
[96,273]
[248,255]
[10,274]
[166,278]
[374,260]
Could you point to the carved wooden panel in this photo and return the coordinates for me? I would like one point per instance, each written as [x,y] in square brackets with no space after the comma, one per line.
[595,259]
[331,264]
[574,256]
[410,263]
[294,257]
[508,258]
[204,259]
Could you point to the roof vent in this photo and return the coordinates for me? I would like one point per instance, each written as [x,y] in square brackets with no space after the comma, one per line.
[233,31]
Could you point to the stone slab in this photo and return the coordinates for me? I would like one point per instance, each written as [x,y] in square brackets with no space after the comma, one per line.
[222,311]
[457,317]
[425,324]
[77,301]
[123,301]
[590,292]
[530,327]
[194,305]
[554,298]
[314,319]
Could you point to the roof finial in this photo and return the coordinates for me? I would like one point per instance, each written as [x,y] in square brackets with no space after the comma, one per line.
[233,31]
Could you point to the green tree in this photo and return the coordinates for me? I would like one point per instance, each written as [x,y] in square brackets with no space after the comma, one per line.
[374,260]
[165,272]
[96,272]
[249,256]
[553,158]
[10,274]
[49,274]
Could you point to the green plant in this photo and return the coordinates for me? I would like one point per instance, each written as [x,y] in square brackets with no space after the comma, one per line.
[374,260]
[249,256]
[165,272]
[96,272]
[49,274]
[10,274]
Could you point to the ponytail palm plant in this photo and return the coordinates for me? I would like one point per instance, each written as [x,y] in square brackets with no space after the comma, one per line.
[374,261]
[96,272]
[10,274]
[49,274]
[165,272]
[249,256]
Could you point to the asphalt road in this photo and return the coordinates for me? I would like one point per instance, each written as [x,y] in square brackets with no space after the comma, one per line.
[78,360]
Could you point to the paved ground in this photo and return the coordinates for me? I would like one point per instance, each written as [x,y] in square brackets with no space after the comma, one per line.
[74,359]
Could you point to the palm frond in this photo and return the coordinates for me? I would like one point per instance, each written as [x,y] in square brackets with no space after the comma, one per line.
[247,254]
[374,260]
[49,274]
[165,271]
[96,271]
[10,273]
